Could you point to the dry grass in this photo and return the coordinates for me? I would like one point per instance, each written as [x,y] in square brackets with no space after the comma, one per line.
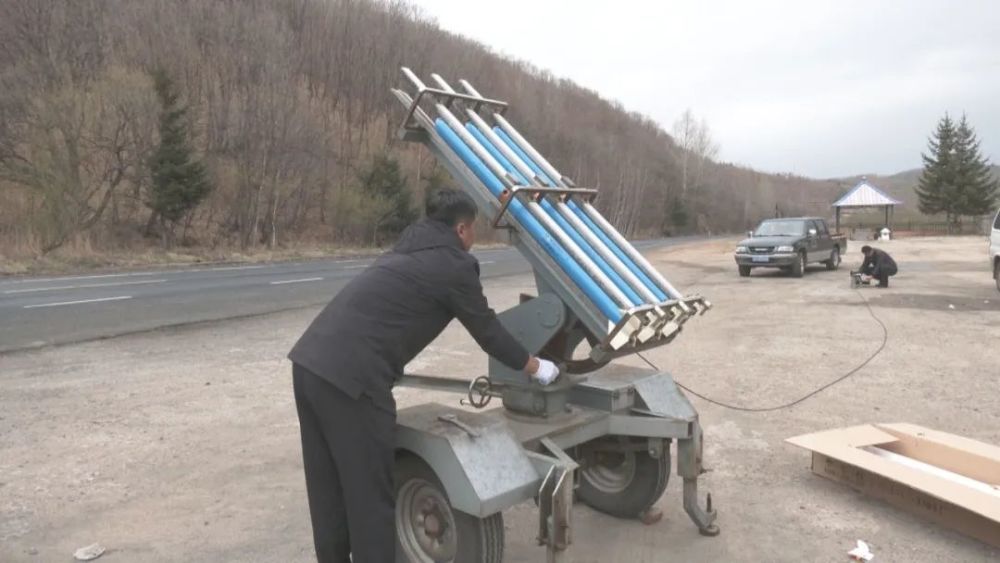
[75,258]
[80,256]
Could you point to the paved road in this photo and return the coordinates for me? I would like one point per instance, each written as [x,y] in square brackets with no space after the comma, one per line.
[43,311]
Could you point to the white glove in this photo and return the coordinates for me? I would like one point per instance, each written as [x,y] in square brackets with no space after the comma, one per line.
[547,372]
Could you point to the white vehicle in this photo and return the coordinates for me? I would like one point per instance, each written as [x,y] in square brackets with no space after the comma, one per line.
[995,249]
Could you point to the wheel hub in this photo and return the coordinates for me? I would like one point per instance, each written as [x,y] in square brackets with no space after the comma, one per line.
[612,472]
[433,526]
[424,523]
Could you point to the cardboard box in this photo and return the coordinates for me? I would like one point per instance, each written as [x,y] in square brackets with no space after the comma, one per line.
[947,479]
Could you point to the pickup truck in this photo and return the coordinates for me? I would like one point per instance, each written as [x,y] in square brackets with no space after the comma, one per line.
[995,249]
[790,244]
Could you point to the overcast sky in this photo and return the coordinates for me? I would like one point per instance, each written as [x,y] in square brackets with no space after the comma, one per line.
[818,88]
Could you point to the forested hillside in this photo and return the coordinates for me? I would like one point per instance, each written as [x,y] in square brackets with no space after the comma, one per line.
[289,110]
[902,184]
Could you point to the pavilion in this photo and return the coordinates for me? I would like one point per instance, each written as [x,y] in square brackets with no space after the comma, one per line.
[865,195]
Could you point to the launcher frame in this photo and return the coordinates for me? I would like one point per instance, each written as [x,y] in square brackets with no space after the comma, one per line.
[544,440]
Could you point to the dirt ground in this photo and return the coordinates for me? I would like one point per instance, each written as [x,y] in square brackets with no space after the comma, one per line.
[183,446]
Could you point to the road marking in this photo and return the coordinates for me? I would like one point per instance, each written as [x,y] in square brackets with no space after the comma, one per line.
[296,281]
[227,268]
[131,274]
[74,278]
[119,298]
[61,287]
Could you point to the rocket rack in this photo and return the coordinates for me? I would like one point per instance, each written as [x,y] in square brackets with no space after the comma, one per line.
[621,298]
[594,290]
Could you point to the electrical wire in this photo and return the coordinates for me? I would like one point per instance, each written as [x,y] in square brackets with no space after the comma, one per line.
[813,393]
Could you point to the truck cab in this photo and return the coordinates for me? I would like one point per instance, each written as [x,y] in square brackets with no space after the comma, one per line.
[790,244]
[995,249]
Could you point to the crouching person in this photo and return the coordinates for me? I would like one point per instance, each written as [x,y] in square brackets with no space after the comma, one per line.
[878,265]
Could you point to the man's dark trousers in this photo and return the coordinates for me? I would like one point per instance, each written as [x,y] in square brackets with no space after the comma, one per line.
[883,274]
[348,453]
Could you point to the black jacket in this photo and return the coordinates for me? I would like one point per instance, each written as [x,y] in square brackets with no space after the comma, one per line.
[390,312]
[879,262]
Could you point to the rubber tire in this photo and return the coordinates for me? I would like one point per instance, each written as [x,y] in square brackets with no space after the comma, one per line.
[799,268]
[996,273]
[834,262]
[648,485]
[744,271]
[480,540]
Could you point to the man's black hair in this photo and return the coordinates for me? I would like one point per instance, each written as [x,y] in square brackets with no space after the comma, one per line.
[450,207]
[866,249]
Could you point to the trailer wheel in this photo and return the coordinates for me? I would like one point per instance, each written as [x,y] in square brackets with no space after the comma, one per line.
[624,484]
[428,530]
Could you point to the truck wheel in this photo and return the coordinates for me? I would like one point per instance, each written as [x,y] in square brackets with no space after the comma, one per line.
[428,530]
[996,273]
[799,267]
[834,262]
[624,484]
[744,271]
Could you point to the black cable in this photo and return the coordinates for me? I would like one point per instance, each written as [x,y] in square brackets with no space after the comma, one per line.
[885,340]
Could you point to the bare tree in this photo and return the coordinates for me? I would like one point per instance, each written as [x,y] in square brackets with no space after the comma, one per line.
[289,100]
[694,148]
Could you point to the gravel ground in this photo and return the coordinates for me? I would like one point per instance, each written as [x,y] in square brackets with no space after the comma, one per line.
[182,445]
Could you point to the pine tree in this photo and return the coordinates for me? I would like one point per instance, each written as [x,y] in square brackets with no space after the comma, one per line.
[679,213]
[976,185]
[386,187]
[956,179]
[936,189]
[438,179]
[180,181]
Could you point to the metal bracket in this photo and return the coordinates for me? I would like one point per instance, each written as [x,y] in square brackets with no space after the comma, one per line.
[703,518]
[448,98]
[555,503]
[508,197]
[689,467]
[655,447]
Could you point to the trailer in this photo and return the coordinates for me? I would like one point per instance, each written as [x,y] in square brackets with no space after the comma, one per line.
[602,433]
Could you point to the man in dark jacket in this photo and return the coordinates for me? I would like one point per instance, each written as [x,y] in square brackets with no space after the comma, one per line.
[878,264]
[345,365]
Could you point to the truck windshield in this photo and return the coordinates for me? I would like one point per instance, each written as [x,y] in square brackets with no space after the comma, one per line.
[781,229]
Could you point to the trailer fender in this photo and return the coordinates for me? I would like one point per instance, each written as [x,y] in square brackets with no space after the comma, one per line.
[476,457]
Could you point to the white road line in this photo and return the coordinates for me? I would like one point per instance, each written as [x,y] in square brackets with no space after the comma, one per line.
[119,298]
[131,274]
[295,281]
[227,268]
[74,278]
[61,287]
